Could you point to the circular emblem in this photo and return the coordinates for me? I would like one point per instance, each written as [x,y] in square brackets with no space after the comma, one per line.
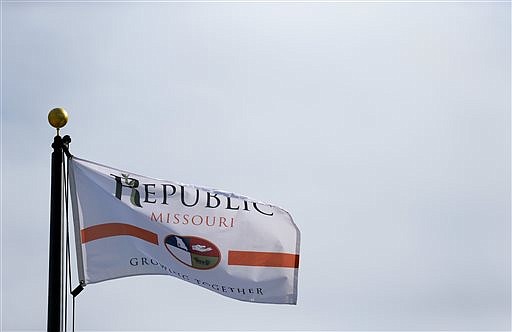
[193,251]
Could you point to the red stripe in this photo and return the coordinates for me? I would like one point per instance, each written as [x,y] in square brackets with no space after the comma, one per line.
[257,258]
[115,229]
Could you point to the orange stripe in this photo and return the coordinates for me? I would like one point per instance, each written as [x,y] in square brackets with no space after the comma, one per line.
[114,229]
[256,258]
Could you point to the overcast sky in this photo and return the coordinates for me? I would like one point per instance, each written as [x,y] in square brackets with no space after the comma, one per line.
[383,128]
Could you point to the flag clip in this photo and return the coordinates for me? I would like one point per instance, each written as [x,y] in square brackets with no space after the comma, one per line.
[65,145]
[77,290]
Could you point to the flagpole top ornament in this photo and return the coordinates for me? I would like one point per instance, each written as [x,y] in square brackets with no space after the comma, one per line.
[58,117]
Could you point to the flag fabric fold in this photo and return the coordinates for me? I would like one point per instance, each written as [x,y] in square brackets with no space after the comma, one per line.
[128,224]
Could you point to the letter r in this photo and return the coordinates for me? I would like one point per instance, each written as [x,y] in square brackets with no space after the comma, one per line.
[131,183]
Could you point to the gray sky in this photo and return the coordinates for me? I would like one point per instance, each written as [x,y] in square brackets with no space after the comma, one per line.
[383,128]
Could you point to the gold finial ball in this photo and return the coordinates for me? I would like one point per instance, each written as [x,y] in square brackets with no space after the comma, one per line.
[58,117]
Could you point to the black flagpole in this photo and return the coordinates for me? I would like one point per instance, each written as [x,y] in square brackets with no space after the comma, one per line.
[58,119]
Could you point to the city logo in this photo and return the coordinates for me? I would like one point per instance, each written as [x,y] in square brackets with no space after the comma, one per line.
[193,251]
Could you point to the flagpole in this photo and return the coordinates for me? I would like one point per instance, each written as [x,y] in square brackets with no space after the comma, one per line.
[57,119]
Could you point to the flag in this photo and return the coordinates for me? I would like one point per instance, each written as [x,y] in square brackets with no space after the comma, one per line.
[128,225]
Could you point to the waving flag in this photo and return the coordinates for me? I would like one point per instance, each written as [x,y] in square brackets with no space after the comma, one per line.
[128,224]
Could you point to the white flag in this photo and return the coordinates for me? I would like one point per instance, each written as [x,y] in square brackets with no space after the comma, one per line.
[128,224]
